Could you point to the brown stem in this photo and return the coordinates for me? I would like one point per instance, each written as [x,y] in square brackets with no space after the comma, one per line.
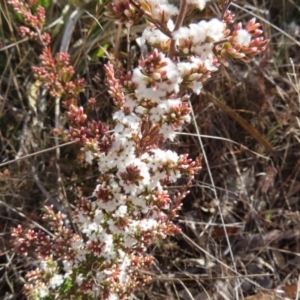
[179,21]
[149,17]
[225,7]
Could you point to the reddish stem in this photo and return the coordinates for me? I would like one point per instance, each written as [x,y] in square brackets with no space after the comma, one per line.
[179,21]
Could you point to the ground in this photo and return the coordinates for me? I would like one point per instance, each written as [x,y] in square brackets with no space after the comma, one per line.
[248,117]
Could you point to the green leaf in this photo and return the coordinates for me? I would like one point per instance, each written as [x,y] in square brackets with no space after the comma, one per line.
[99,53]
[66,286]
[44,3]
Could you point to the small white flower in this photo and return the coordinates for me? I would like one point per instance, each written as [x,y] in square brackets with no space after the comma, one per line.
[197,87]
[205,51]
[121,211]
[89,157]
[198,32]
[148,224]
[79,279]
[168,132]
[153,36]
[123,276]
[215,29]
[68,266]
[243,37]
[113,296]
[56,281]
[42,292]
[200,3]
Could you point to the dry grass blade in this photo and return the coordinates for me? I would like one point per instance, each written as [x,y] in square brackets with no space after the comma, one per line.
[243,123]
[36,153]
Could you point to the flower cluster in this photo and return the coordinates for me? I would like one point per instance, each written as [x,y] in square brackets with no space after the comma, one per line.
[34,22]
[243,44]
[131,206]
[56,74]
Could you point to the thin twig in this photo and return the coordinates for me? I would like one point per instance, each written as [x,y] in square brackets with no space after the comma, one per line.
[179,21]
[24,216]
[215,193]
[36,153]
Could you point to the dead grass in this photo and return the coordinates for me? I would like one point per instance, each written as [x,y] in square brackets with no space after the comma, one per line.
[241,221]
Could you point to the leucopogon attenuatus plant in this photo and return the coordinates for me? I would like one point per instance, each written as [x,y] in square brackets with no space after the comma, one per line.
[131,207]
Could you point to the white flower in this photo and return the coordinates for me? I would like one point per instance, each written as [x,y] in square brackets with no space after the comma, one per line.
[100,276]
[205,51]
[56,281]
[182,33]
[129,241]
[197,87]
[133,187]
[148,224]
[143,91]
[111,205]
[108,250]
[243,37]
[123,276]
[89,227]
[98,215]
[43,265]
[77,245]
[113,296]
[114,228]
[153,36]
[140,203]
[67,265]
[79,279]
[132,121]
[42,291]
[162,156]
[89,156]
[167,10]
[168,132]
[121,211]
[198,32]
[200,3]
[215,29]
[170,84]
[159,112]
